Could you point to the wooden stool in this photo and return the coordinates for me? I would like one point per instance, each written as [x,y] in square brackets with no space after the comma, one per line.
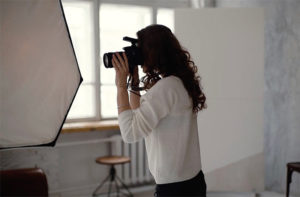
[291,167]
[112,161]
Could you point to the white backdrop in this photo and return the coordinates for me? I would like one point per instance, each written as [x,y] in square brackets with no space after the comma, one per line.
[227,45]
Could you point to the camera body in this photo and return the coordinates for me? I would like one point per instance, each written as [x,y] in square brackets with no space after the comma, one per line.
[133,53]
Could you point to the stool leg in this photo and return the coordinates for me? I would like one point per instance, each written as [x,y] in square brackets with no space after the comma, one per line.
[288,181]
[117,187]
[123,184]
[95,192]
[109,190]
[112,173]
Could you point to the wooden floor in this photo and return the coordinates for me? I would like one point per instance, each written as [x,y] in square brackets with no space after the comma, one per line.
[148,191]
[225,194]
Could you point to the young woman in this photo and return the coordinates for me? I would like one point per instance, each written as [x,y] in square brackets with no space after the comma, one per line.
[166,116]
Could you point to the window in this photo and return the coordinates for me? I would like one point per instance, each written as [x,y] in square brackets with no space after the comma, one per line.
[117,21]
[97,28]
[166,17]
[80,22]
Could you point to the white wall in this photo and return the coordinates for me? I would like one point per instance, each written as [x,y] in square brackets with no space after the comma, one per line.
[70,167]
[281,88]
[227,45]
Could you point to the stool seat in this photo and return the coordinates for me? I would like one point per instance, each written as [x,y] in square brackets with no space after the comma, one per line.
[291,167]
[113,160]
[294,166]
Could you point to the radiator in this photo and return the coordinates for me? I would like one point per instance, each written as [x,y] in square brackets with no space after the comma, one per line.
[136,172]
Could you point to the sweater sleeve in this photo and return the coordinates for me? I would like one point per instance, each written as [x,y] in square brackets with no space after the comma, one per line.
[154,106]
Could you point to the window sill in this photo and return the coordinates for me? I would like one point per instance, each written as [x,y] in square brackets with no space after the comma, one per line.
[90,126]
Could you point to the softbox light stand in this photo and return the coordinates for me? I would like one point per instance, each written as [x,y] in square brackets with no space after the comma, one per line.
[39,73]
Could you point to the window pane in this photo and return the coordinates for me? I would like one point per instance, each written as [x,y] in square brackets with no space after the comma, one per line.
[117,21]
[166,17]
[79,16]
[83,106]
[108,101]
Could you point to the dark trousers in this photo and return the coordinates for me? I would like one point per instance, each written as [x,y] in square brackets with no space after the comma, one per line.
[192,187]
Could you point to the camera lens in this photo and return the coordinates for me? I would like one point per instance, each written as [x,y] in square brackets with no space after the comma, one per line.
[107,60]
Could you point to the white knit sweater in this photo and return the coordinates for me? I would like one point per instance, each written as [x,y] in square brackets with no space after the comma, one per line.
[166,121]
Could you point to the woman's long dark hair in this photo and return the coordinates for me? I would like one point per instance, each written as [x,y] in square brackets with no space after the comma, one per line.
[164,56]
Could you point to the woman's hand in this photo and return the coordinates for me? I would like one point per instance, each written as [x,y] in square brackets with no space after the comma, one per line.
[122,69]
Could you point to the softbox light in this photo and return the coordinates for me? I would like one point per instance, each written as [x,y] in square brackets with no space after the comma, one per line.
[39,73]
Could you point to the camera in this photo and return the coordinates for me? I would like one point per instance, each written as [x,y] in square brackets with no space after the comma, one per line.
[133,53]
